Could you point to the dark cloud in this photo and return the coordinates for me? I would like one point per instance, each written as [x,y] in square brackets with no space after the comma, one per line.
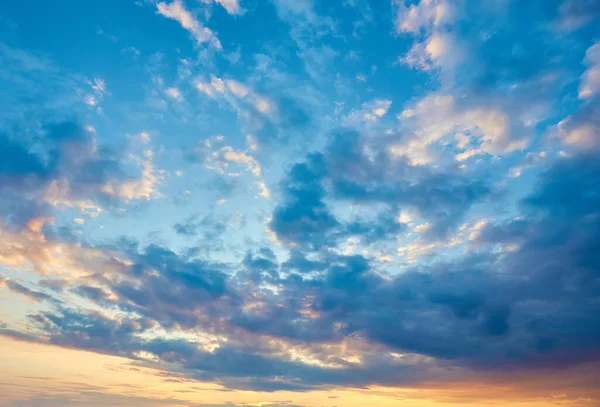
[90,330]
[208,231]
[60,165]
[304,217]
[299,263]
[27,292]
[533,305]
[347,173]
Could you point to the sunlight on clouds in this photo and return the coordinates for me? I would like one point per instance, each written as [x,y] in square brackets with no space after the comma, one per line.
[263,190]
[143,188]
[30,248]
[418,247]
[436,117]
[219,157]
[58,194]
[236,93]
[584,136]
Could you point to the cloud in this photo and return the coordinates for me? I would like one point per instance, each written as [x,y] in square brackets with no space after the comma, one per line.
[175,94]
[354,170]
[437,116]
[79,174]
[176,11]
[38,87]
[61,168]
[486,311]
[218,156]
[501,323]
[590,80]
[239,91]
[145,187]
[424,15]
[27,292]
[304,218]
[574,14]
[209,230]
[307,27]
[370,112]
[580,131]
[491,74]
[263,190]
[232,6]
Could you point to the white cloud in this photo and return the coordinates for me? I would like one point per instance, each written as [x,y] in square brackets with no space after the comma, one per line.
[144,137]
[237,88]
[437,46]
[241,157]
[574,14]
[423,16]
[90,100]
[232,6]
[467,154]
[440,116]
[251,142]
[99,85]
[263,190]
[369,112]
[580,135]
[590,80]
[144,187]
[174,93]
[234,93]
[440,50]
[430,23]
[220,159]
[211,88]
[177,11]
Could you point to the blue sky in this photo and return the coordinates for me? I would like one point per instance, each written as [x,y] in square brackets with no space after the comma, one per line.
[304,196]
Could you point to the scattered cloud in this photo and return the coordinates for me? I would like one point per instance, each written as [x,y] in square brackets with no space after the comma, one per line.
[176,11]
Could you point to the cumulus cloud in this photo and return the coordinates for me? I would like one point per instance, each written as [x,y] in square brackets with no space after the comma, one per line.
[437,116]
[358,172]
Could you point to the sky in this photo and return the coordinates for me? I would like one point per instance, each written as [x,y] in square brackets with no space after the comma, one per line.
[299,203]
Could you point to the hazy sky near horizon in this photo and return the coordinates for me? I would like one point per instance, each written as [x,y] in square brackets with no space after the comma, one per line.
[300,203]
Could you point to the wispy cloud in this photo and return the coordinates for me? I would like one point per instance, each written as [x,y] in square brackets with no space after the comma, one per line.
[176,11]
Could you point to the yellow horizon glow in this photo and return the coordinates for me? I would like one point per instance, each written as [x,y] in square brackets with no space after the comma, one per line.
[29,371]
